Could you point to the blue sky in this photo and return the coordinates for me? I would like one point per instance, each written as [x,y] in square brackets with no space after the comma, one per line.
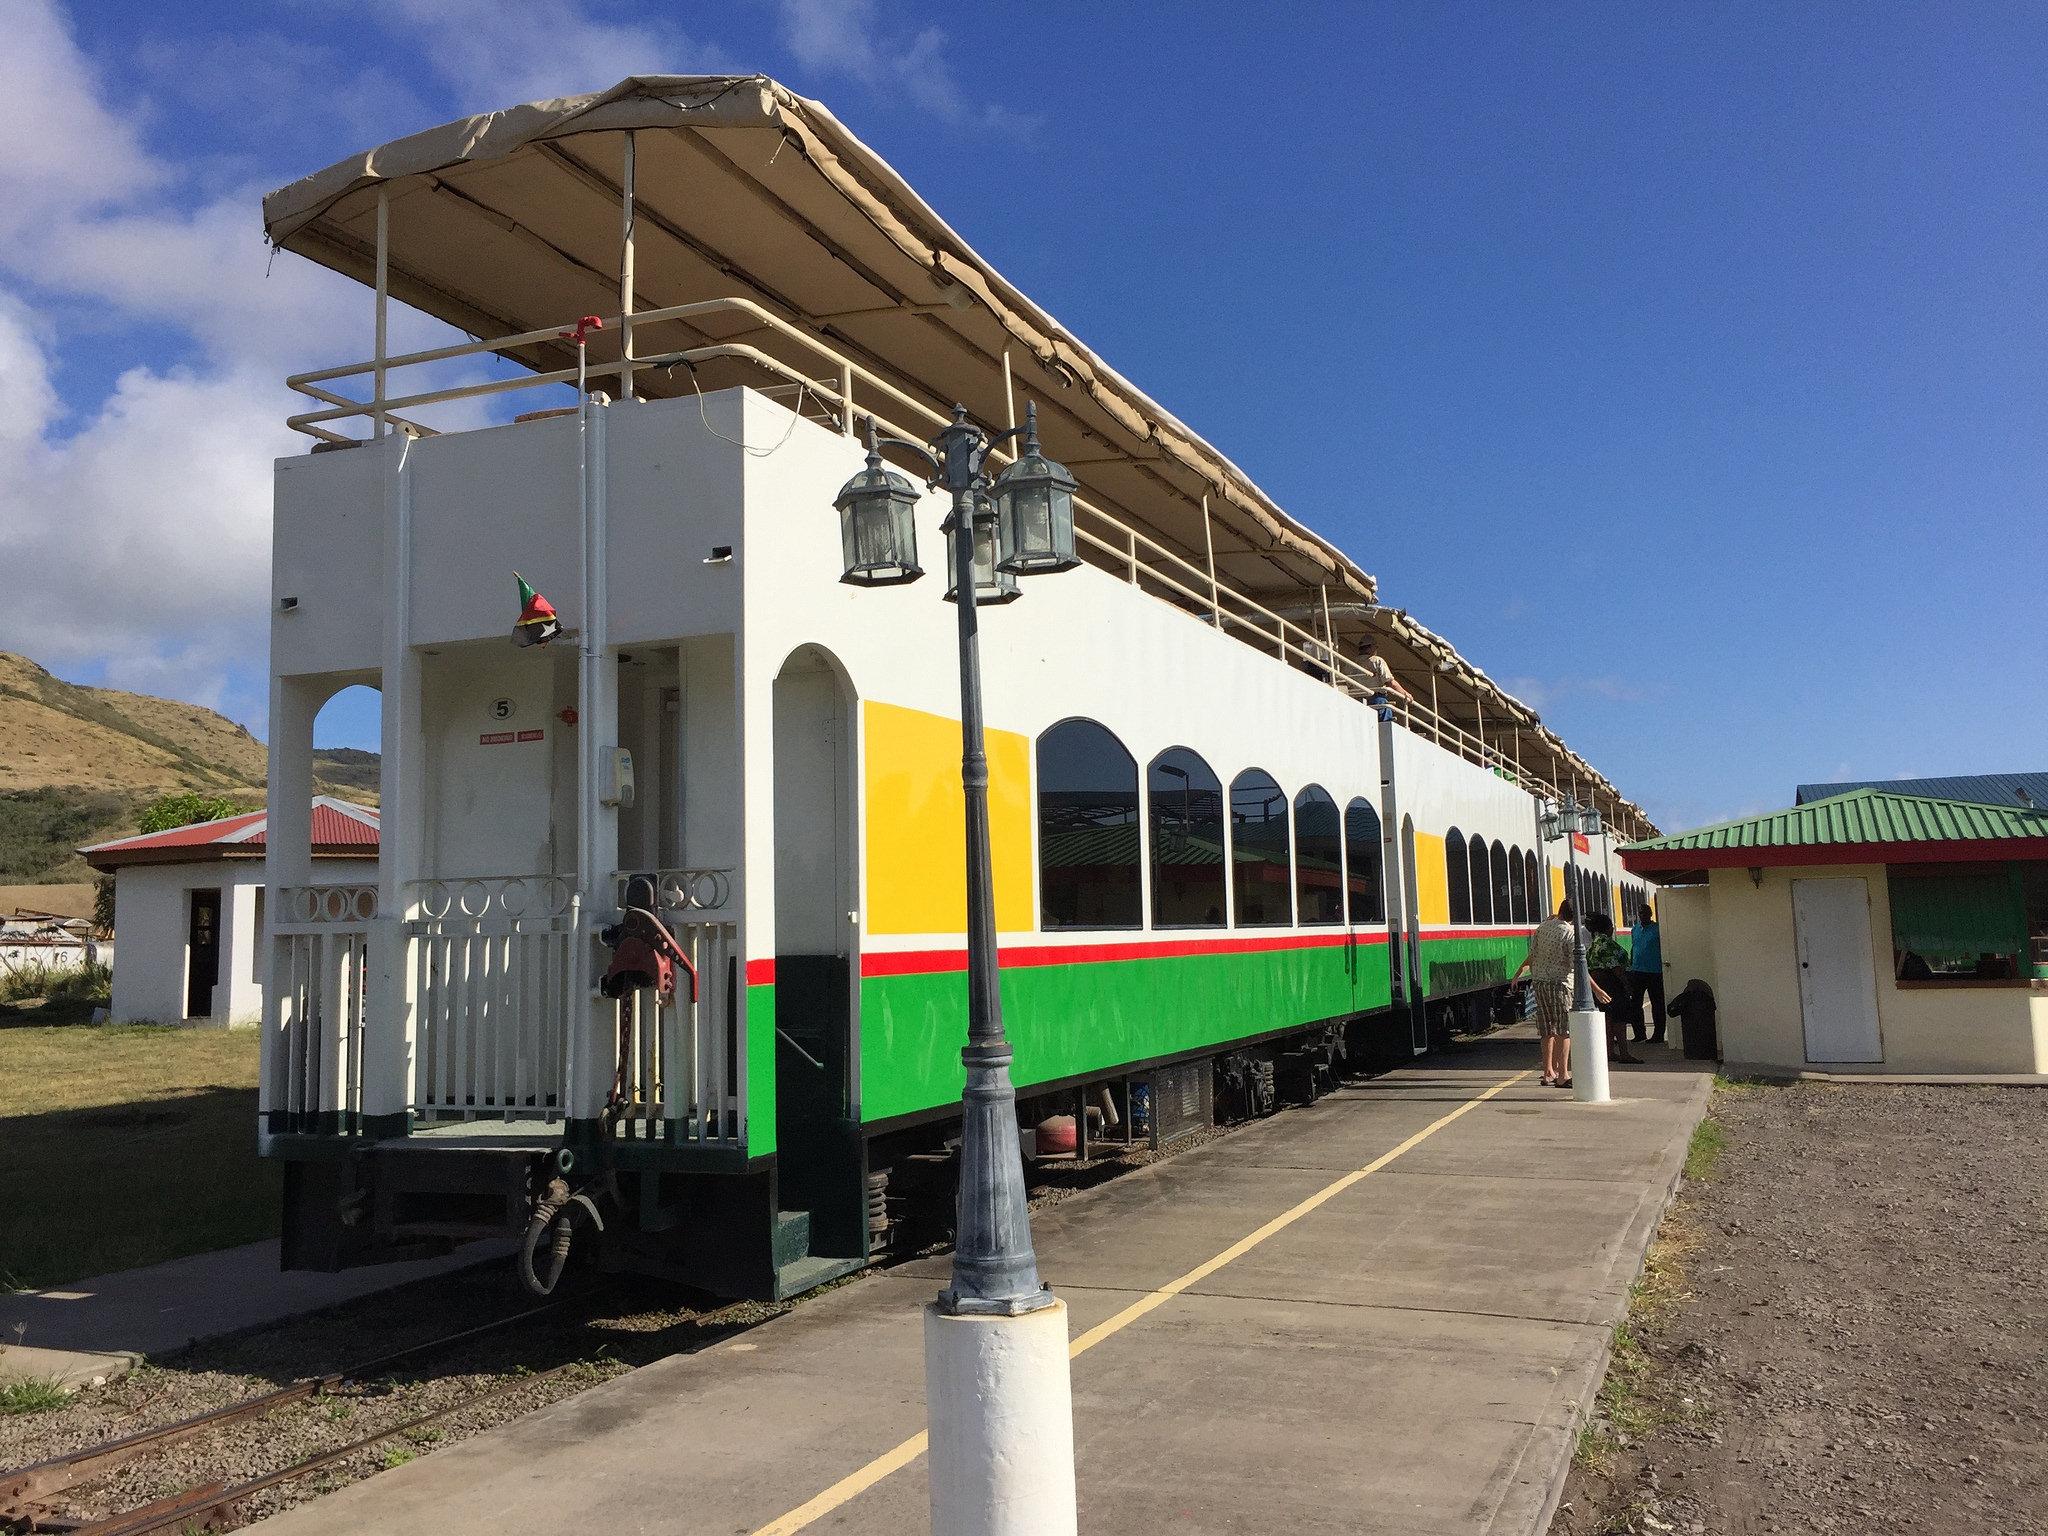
[1684,366]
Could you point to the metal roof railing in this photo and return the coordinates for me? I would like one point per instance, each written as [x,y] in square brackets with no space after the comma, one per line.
[1104,541]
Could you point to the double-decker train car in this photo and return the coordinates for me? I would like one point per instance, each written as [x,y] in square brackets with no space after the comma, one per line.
[1217,845]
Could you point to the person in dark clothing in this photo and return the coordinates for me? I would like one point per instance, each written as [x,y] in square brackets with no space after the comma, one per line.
[1646,974]
[1608,962]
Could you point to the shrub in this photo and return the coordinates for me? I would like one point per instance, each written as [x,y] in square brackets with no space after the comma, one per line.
[58,983]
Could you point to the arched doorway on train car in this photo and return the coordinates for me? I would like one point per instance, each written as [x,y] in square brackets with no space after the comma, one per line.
[819,1185]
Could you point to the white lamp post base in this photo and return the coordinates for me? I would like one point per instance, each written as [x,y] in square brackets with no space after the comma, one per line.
[999,1404]
[1589,1056]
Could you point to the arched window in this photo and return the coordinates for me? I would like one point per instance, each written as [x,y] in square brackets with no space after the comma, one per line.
[1087,829]
[1503,893]
[1538,888]
[1367,900]
[1518,894]
[1184,811]
[1458,876]
[1318,858]
[1259,877]
[1482,881]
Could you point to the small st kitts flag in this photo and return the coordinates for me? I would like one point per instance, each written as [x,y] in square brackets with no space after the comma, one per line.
[537,623]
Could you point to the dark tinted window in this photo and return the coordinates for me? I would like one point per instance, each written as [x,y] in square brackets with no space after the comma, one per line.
[1258,851]
[1458,876]
[1087,829]
[1532,877]
[1184,804]
[1503,891]
[1318,858]
[1362,860]
[1481,876]
[1518,895]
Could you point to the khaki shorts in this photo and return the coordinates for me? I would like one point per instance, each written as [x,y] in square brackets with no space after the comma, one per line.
[1553,1007]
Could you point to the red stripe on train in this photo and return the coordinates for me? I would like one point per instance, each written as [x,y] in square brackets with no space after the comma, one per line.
[934,962]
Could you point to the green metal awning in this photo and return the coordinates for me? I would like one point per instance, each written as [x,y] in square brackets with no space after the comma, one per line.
[1865,826]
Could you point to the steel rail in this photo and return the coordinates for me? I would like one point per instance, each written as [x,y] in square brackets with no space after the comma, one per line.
[209,1503]
[40,1480]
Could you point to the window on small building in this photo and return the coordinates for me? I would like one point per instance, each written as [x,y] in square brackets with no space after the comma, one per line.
[1962,922]
[1366,896]
[1481,865]
[1518,892]
[1503,892]
[1184,805]
[1318,857]
[1087,829]
[1532,879]
[1260,879]
[1458,876]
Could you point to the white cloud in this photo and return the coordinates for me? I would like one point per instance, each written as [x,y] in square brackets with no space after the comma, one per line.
[66,150]
[499,53]
[136,523]
[137,527]
[844,37]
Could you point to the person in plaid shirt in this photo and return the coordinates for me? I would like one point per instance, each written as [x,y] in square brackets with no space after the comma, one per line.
[1553,948]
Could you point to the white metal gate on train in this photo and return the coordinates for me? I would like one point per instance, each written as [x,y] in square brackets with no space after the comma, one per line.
[489,966]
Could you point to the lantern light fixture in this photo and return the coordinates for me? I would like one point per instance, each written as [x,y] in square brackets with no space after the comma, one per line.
[995,578]
[1034,503]
[878,524]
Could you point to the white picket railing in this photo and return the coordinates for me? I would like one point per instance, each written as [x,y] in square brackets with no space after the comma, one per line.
[315,1005]
[681,1064]
[492,982]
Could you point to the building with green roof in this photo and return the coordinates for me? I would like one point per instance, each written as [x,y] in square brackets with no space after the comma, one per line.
[1873,931]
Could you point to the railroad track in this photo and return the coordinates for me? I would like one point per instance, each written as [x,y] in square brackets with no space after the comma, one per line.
[25,1493]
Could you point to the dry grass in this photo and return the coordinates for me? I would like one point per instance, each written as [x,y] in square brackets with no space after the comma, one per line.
[127,1145]
[1629,1404]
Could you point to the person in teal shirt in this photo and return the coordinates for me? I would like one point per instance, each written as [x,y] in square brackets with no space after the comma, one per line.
[1646,973]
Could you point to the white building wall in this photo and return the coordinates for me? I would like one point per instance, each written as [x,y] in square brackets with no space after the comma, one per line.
[152,915]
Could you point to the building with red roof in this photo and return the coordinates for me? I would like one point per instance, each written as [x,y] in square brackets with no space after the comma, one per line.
[188,909]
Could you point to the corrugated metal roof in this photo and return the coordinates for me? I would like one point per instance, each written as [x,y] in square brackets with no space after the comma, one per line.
[339,827]
[1861,817]
[1984,788]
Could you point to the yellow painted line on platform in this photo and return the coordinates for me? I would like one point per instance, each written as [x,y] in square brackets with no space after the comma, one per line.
[857,1483]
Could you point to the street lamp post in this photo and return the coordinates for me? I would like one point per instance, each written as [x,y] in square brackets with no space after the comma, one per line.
[1589,1028]
[997,1390]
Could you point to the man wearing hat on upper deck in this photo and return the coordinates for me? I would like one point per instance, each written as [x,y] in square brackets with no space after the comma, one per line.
[1380,676]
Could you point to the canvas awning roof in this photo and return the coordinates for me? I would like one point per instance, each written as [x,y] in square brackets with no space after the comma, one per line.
[510,222]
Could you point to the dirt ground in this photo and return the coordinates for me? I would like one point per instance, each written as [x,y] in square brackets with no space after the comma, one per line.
[1842,1326]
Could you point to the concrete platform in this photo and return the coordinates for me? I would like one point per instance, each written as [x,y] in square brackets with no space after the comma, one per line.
[164,1307]
[1391,1343]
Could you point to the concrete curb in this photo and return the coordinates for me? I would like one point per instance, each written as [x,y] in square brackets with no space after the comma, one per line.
[1642,1231]
[1881,1079]
[68,1368]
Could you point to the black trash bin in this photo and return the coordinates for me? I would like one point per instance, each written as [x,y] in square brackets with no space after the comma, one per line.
[1694,1009]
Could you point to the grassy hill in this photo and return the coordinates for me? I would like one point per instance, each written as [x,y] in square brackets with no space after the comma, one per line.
[78,764]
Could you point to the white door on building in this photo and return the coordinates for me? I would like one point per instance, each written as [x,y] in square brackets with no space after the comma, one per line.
[1837,982]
